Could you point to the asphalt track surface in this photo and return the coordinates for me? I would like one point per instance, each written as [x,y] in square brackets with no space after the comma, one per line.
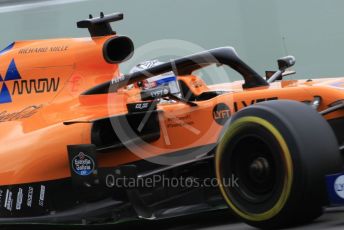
[333,219]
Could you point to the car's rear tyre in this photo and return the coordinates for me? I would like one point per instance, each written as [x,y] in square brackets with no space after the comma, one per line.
[280,152]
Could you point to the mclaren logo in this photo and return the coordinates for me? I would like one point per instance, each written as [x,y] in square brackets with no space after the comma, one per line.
[21,86]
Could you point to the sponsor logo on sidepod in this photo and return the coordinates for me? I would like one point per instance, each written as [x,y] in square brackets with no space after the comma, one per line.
[82,164]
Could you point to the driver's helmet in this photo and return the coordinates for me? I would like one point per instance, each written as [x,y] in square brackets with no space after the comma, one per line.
[167,79]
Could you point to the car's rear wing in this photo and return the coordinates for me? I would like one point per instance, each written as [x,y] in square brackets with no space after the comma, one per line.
[185,66]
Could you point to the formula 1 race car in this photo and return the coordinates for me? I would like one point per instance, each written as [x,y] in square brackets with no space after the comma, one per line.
[83,144]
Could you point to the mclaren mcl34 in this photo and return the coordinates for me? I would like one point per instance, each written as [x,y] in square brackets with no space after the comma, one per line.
[82,143]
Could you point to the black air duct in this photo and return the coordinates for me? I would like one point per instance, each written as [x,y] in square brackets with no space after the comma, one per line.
[118,49]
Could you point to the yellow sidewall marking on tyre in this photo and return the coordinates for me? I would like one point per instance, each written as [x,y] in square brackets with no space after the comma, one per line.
[288,178]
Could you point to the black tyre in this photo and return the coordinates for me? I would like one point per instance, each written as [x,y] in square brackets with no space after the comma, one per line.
[280,151]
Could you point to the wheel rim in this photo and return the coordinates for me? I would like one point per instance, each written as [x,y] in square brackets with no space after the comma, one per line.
[256,171]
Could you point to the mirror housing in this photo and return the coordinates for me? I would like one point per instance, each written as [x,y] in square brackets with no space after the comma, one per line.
[285,62]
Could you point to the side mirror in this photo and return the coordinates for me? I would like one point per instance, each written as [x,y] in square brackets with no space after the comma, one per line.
[285,62]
